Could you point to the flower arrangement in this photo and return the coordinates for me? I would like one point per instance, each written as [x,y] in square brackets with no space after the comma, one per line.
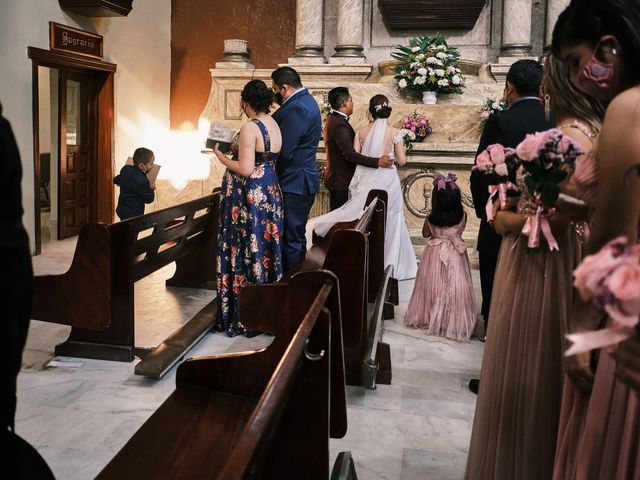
[492,106]
[499,164]
[323,104]
[611,280]
[414,128]
[547,158]
[428,64]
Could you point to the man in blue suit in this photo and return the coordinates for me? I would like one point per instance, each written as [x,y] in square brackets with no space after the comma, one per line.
[301,126]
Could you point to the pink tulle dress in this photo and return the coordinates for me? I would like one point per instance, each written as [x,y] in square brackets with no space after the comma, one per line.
[599,434]
[518,407]
[442,301]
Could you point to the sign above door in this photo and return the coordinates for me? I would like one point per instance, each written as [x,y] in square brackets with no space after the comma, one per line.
[72,40]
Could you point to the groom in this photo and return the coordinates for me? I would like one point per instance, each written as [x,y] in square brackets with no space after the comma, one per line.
[301,127]
[341,156]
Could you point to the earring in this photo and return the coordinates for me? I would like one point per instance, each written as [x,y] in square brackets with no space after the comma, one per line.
[547,107]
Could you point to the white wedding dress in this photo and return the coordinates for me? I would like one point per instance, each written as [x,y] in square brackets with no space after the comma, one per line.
[398,250]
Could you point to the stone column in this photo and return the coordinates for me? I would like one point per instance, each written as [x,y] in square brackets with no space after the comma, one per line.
[516,28]
[309,23]
[350,26]
[554,9]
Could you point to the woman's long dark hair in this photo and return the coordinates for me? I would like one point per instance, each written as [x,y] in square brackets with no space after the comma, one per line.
[586,21]
[446,206]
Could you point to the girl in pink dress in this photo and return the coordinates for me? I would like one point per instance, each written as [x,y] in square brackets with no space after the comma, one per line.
[442,301]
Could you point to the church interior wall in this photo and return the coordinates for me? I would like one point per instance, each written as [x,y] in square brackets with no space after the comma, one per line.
[198,30]
[139,44]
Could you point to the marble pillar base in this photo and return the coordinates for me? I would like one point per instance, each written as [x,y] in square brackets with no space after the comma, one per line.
[241,65]
[499,70]
[335,60]
[306,61]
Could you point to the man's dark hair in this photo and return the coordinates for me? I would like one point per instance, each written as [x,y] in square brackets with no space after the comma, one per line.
[338,96]
[525,76]
[0,108]
[142,155]
[286,76]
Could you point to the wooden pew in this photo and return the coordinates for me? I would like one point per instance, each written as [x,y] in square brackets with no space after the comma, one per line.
[96,295]
[259,414]
[354,251]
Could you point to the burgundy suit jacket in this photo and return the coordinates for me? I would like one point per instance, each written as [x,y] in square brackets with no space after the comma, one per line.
[341,156]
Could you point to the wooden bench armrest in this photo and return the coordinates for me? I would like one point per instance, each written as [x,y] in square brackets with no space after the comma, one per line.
[247,453]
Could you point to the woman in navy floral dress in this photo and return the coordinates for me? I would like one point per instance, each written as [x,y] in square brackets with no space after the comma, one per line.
[250,222]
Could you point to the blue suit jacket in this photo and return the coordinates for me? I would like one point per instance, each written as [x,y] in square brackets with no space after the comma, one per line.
[301,126]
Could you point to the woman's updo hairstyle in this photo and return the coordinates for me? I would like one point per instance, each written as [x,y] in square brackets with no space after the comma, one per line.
[380,107]
[258,96]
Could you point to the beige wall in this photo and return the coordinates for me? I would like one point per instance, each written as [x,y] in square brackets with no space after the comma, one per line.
[139,44]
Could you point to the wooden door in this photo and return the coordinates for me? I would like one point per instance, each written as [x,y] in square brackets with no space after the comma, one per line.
[77,146]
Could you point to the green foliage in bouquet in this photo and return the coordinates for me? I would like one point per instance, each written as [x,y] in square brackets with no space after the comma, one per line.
[428,64]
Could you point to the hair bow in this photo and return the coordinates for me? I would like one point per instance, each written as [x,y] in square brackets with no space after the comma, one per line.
[440,181]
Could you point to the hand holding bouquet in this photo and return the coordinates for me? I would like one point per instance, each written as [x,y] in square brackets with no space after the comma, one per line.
[611,280]
[499,164]
[548,158]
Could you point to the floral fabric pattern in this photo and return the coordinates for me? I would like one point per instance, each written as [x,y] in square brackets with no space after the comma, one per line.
[249,228]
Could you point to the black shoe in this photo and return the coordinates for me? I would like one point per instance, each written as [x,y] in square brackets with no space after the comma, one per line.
[474,384]
[217,327]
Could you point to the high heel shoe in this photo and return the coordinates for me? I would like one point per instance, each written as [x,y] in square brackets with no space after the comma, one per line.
[240,329]
[218,327]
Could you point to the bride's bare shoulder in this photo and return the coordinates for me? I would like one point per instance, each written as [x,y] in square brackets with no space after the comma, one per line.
[364,129]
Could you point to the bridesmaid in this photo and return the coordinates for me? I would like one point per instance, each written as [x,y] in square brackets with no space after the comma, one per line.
[600,42]
[516,420]
[249,249]
[580,117]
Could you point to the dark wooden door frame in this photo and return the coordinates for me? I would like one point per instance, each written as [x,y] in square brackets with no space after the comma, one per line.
[104,193]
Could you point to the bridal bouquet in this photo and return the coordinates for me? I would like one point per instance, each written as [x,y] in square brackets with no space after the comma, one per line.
[414,128]
[491,107]
[499,164]
[611,280]
[547,158]
[428,64]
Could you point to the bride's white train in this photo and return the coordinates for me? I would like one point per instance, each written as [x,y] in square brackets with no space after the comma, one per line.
[398,250]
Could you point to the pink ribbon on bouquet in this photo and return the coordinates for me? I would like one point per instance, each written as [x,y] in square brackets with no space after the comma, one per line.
[540,222]
[501,190]
[621,328]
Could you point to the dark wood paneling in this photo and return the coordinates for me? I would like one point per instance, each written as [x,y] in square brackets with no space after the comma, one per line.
[98,8]
[430,14]
[198,30]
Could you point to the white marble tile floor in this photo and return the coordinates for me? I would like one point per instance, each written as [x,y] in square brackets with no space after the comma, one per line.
[80,414]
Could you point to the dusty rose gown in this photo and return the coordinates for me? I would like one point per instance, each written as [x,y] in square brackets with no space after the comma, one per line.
[516,419]
[599,434]
[442,300]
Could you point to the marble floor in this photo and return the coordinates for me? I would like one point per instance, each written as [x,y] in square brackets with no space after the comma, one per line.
[78,413]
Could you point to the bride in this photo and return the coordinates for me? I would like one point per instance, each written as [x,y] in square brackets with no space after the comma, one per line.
[374,140]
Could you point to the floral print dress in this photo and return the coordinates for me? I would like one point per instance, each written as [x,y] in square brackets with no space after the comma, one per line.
[249,226]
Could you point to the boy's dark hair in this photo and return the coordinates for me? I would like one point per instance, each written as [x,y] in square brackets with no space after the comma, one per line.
[286,76]
[525,76]
[258,96]
[588,20]
[142,155]
[446,207]
[338,96]
[380,107]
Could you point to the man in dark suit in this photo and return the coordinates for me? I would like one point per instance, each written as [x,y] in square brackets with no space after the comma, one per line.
[341,156]
[301,126]
[16,277]
[525,115]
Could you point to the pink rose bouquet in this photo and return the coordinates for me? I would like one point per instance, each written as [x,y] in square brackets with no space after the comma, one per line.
[414,128]
[498,164]
[611,280]
[548,158]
